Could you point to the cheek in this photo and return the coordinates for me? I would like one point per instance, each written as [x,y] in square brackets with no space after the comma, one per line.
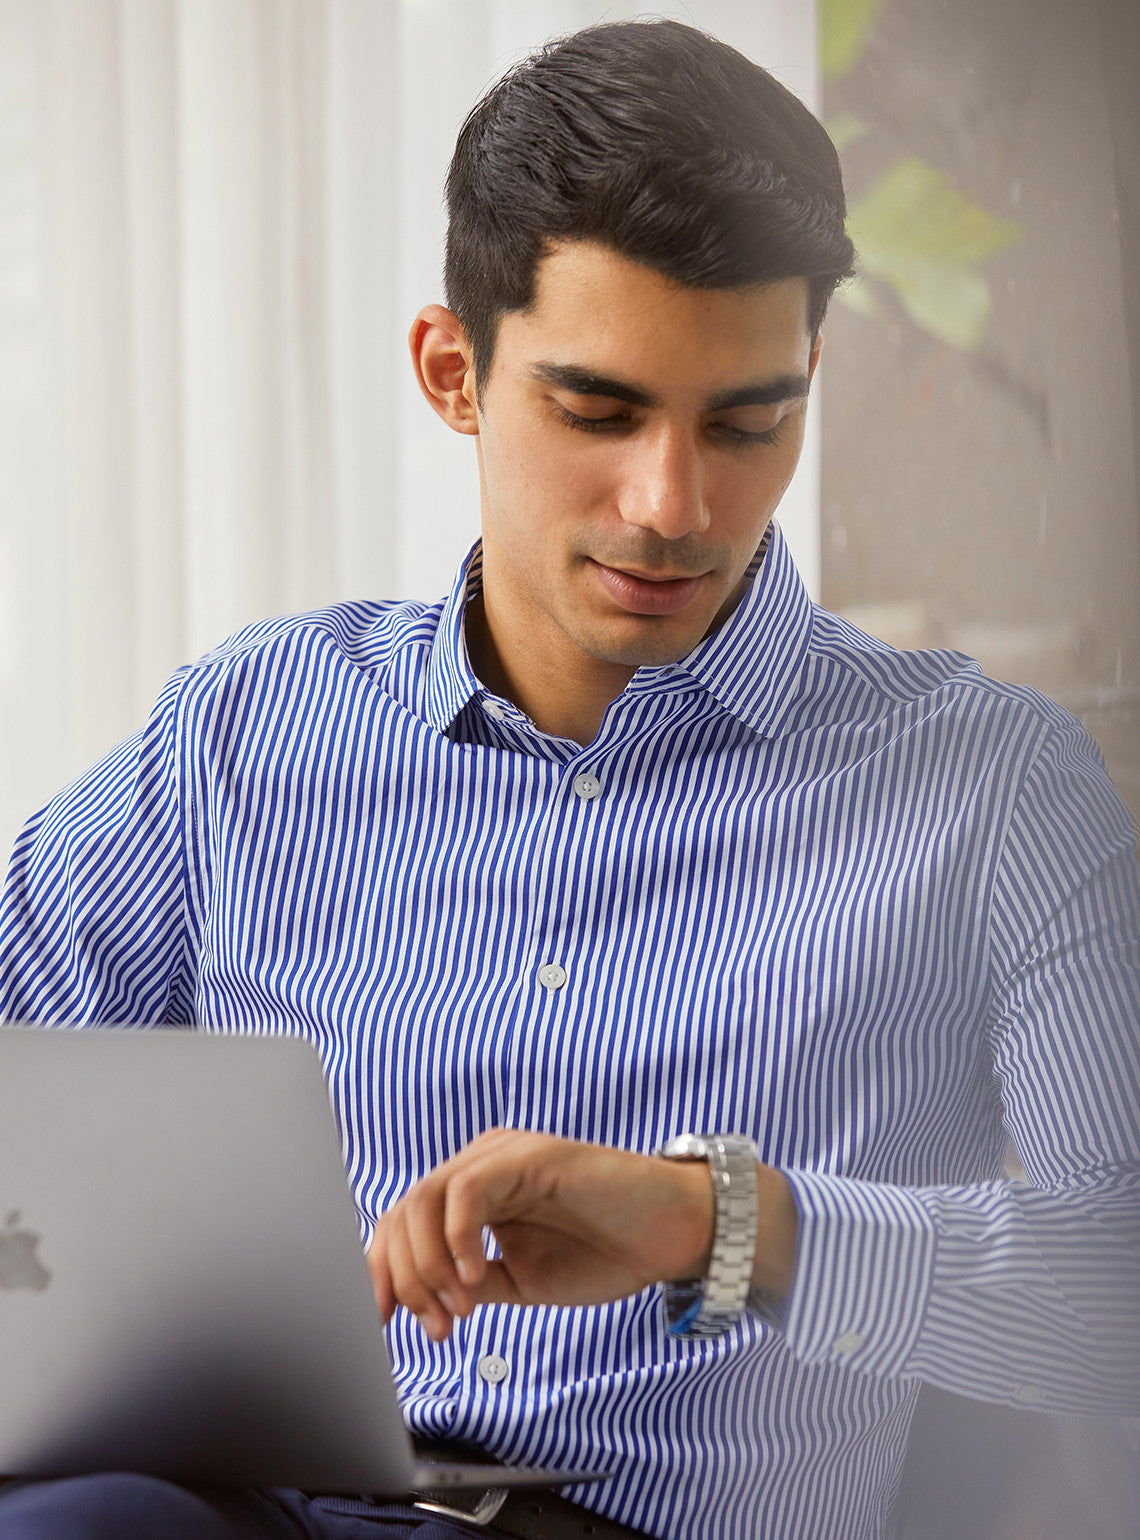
[512,478]
[552,484]
[788,468]
[769,481]
[753,490]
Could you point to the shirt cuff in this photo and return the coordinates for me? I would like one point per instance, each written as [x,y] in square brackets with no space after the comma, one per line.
[864,1271]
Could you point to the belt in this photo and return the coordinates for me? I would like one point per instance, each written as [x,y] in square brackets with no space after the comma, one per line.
[526,1513]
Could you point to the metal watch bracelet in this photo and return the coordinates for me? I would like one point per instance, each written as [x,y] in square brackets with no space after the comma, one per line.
[710,1306]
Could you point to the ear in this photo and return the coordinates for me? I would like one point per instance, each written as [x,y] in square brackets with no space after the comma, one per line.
[445,367]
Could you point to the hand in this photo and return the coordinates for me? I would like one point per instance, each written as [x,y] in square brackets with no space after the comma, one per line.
[576,1224]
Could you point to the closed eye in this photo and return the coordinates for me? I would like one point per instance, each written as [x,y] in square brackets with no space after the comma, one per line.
[742,437]
[615,422]
[619,422]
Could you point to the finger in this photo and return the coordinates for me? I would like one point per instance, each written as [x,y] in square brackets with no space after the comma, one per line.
[422,1213]
[483,1190]
[407,1285]
[377,1259]
[467,1211]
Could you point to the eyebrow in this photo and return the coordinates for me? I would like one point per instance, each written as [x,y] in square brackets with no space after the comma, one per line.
[585,382]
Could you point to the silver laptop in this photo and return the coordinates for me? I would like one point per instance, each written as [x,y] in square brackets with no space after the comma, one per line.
[182,1286]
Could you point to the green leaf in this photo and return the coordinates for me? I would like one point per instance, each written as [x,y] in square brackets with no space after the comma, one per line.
[951,303]
[920,234]
[914,208]
[845,28]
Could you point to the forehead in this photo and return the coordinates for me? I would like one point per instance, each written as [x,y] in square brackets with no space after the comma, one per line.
[596,309]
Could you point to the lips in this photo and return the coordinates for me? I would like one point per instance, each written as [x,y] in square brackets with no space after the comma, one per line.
[647,596]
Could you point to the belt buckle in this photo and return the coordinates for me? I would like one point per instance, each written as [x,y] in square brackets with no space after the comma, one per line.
[486,1507]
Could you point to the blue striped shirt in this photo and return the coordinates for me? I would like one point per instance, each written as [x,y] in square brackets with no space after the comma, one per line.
[867,907]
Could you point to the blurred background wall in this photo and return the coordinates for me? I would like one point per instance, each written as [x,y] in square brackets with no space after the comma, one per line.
[980,411]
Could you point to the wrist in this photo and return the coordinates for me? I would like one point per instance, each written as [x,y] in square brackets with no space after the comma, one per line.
[696,1220]
[777,1234]
[709,1303]
[744,1251]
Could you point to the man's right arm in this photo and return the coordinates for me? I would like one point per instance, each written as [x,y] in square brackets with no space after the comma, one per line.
[94,915]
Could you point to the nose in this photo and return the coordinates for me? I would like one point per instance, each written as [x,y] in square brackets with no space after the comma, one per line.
[663,488]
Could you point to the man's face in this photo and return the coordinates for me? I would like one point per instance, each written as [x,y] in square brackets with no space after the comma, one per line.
[635,437]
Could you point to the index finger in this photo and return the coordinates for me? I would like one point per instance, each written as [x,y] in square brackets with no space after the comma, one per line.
[483,1187]
[377,1258]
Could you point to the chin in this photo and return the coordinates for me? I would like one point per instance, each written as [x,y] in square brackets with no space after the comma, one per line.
[646,650]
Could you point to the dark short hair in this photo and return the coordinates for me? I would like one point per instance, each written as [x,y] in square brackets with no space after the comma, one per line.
[656,140]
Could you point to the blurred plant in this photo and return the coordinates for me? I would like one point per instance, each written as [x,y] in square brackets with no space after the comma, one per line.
[913,229]
[845,26]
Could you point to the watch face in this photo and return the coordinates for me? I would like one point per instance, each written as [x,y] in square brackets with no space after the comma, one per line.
[685,1147]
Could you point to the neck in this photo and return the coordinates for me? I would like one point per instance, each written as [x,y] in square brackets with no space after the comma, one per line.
[566,702]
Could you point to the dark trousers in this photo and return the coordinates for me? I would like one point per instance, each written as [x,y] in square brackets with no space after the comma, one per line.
[125,1507]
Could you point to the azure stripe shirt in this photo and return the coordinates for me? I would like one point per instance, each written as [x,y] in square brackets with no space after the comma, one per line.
[868,908]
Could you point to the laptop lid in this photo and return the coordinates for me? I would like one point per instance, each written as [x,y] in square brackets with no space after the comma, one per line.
[182,1286]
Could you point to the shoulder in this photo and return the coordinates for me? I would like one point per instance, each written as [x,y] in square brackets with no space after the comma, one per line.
[951,723]
[366,633]
[869,678]
[1002,753]
[377,643]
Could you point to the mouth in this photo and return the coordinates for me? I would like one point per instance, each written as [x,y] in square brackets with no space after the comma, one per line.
[642,594]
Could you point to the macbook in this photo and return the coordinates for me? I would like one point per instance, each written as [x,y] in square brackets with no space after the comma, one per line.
[182,1286]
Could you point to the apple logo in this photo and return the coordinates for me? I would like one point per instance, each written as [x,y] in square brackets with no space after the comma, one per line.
[20,1268]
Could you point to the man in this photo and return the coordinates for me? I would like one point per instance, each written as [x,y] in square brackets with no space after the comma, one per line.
[627,841]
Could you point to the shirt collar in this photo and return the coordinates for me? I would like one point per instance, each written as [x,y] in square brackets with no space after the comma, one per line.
[451,680]
[751,665]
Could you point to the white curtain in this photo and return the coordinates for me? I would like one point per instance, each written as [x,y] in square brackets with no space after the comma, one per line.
[217,219]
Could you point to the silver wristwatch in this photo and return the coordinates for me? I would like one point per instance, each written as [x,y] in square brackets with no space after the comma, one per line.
[710,1306]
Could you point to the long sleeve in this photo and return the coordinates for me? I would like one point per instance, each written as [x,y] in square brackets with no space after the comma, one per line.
[859,905]
[93,918]
[1025,1293]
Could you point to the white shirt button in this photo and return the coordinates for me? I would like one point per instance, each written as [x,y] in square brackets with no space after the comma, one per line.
[493,1368]
[587,786]
[551,976]
[492,709]
[849,1343]
[1029,1395]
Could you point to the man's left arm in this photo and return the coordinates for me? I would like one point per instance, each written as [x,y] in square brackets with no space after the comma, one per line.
[576,1224]
[1024,1293]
